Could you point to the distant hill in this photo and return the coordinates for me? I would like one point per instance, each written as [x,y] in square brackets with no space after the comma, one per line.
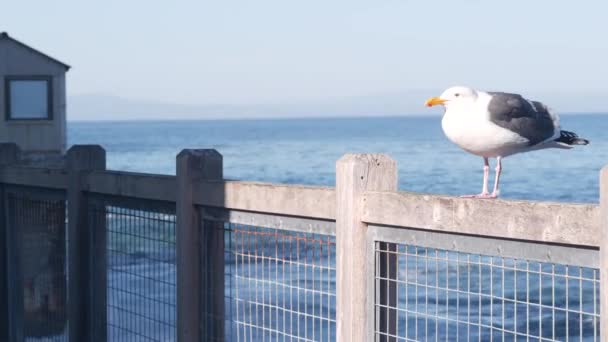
[108,107]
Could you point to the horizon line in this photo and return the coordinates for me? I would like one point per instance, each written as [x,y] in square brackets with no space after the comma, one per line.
[268,118]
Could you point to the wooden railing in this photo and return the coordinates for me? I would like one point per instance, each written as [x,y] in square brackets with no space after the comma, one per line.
[365,212]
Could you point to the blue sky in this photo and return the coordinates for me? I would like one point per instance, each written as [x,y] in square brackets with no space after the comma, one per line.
[285,52]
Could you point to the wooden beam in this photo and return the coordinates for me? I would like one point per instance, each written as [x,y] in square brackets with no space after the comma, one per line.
[34,176]
[132,184]
[603,240]
[355,174]
[194,252]
[82,159]
[9,155]
[290,200]
[560,223]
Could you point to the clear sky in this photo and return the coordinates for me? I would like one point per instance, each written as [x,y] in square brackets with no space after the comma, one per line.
[285,51]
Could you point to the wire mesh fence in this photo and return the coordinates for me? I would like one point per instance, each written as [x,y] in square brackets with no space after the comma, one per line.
[38,227]
[439,295]
[141,271]
[280,285]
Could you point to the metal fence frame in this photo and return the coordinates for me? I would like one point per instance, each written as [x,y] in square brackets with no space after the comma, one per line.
[99,207]
[298,275]
[363,209]
[383,286]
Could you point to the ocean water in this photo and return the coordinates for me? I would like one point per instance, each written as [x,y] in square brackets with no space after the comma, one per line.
[304,151]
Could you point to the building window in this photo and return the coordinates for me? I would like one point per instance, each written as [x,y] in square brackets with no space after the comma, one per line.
[28,98]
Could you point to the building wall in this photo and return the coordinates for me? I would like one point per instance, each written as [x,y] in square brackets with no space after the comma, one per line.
[33,135]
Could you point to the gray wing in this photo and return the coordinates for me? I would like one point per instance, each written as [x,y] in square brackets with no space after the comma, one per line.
[530,119]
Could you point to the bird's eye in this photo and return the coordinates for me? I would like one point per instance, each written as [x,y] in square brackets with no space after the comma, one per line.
[457,94]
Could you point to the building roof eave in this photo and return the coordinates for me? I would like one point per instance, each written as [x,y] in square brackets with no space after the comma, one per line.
[4,35]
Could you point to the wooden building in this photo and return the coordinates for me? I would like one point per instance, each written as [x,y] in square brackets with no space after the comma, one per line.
[32,99]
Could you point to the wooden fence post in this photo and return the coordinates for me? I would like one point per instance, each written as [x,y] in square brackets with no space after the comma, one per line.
[604,254]
[355,174]
[195,249]
[9,155]
[81,160]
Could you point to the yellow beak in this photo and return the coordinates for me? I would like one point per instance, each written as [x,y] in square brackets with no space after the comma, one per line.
[434,101]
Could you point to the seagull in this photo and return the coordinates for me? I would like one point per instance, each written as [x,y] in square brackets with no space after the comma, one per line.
[497,125]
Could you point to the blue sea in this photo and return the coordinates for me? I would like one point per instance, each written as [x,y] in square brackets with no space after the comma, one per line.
[304,151]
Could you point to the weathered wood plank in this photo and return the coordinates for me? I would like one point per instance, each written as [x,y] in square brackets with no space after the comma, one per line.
[289,200]
[293,200]
[603,240]
[281,222]
[132,184]
[355,174]
[82,159]
[14,240]
[561,223]
[4,310]
[200,252]
[34,176]
[98,271]
[9,154]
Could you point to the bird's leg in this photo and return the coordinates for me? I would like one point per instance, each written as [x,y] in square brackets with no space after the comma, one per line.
[498,170]
[486,174]
[484,189]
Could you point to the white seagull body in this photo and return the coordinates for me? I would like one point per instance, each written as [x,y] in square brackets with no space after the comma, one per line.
[497,125]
